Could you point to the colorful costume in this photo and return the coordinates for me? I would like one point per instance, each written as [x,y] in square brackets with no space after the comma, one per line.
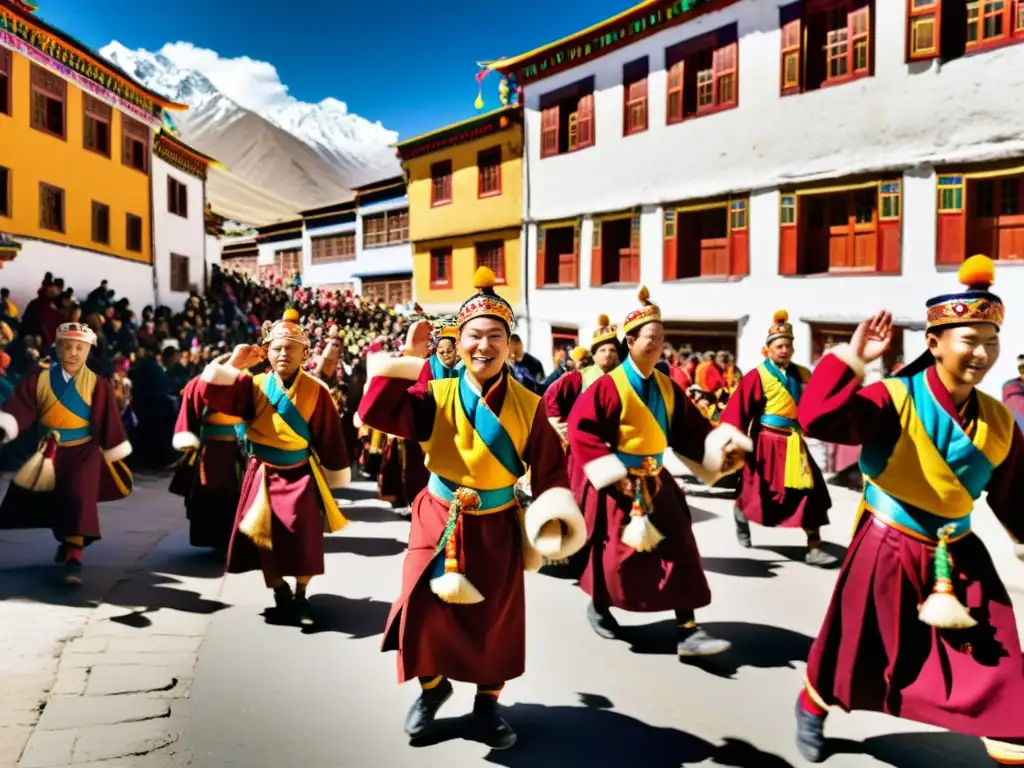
[781,484]
[643,555]
[80,460]
[298,456]
[920,625]
[461,613]
[209,475]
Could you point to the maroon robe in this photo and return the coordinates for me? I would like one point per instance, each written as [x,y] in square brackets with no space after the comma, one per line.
[209,475]
[873,653]
[560,397]
[485,642]
[672,576]
[84,472]
[298,526]
[403,470]
[764,497]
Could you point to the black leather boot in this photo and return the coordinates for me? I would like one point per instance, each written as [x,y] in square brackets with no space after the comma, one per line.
[810,735]
[424,709]
[493,730]
[602,622]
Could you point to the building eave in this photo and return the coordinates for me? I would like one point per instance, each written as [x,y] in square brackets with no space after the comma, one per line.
[459,133]
[380,185]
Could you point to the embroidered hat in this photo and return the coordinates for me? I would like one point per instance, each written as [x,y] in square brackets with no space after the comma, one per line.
[286,328]
[446,328]
[781,328]
[579,354]
[974,305]
[485,302]
[76,332]
[605,332]
[648,312]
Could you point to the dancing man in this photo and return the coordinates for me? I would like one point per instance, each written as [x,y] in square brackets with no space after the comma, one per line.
[781,484]
[920,626]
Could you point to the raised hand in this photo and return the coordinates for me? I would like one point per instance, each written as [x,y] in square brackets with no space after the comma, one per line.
[417,340]
[246,356]
[872,338]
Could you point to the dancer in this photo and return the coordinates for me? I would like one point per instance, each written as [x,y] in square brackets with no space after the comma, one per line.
[781,484]
[461,613]
[80,459]
[209,475]
[643,555]
[298,457]
[920,626]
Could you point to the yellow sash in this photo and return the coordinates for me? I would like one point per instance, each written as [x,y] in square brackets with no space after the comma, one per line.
[639,432]
[780,412]
[53,414]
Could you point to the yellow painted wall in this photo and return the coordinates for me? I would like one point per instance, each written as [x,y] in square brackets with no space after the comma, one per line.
[467,212]
[34,157]
[463,267]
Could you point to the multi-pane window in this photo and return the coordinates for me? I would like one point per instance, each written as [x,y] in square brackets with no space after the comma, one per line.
[389,228]
[441,267]
[97,118]
[100,223]
[634,95]
[49,102]
[340,247]
[948,29]
[5,81]
[567,119]
[133,232]
[441,182]
[951,194]
[177,197]
[179,273]
[491,254]
[825,43]
[134,144]
[702,75]
[488,163]
[51,208]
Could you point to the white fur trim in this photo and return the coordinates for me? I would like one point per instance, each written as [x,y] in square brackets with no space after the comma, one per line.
[605,471]
[338,478]
[118,452]
[533,560]
[846,354]
[185,441]
[356,421]
[220,374]
[709,471]
[9,425]
[383,364]
[555,505]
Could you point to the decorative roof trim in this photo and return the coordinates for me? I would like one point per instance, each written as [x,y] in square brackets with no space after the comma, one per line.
[461,132]
[172,150]
[630,26]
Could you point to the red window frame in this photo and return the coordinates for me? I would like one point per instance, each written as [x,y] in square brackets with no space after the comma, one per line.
[848,49]
[441,257]
[440,183]
[1010,17]
[703,75]
[922,15]
[572,105]
[634,97]
[792,52]
[491,254]
[6,69]
[488,163]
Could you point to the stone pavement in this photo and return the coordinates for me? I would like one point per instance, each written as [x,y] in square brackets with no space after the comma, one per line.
[95,675]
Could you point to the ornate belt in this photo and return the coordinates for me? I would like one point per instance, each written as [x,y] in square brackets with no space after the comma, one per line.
[486,502]
[911,520]
[278,457]
[67,438]
[780,422]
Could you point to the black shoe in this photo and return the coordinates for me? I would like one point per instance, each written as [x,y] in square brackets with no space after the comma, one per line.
[73,572]
[602,622]
[820,558]
[810,735]
[742,528]
[284,600]
[303,611]
[424,709]
[696,642]
[490,725]
[62,554]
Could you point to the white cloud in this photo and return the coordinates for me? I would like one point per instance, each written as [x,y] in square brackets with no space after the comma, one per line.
[253,84]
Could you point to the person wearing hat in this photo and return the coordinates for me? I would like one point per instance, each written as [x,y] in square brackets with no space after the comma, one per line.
[80,459]
[209,476]
[920,625]
[297,457]
[781,485]
[1013,393]
[443,363]
[563,394]
[643,555]
[461,611]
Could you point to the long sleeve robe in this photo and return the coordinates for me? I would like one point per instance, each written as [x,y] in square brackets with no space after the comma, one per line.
[873,653]
[403,472]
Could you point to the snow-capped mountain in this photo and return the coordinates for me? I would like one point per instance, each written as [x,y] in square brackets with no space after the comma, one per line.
[311,154]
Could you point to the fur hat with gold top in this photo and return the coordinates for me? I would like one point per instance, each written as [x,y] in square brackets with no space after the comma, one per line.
[76,332]
[446,328]
[649,312]
[781,327]
[605,333]
[286,328]
[485,302]
[976,304]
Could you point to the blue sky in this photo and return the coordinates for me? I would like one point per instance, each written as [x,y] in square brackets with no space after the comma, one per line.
[408,64]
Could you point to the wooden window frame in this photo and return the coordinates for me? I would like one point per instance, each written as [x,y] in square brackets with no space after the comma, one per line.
[851,40]
[796,25]
[580,126]
[294,255]
[441,177]
[177,197]
[543,255]
[931,12]
[738,216]
[98,112]
[132,131]
[128,219]
[402,214]
[37,86]
[951,193]
[379,234]
[723,45]
[635,107]
[385,234]
[792,48]
[485,162]
[6,75]
[789,207]
[446,257]
[62,195]
[890,194]
[320,253]
[499,245]
[177,258]
[1013,31]
[97,237]
[7,210]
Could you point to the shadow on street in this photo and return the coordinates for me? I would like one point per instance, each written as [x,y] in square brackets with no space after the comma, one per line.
[358,618]
[796,553]
[913,750]
[744,567]
[362,546]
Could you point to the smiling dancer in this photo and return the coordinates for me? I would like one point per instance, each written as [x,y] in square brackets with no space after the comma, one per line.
[298,456]
[920,626]
[461,614]
[781,485]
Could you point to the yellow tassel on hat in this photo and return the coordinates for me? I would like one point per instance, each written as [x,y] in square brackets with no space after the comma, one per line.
[978,272]
[291,315]
[780,316]
[578,354]
[644,295]
[603,321]
[484,277]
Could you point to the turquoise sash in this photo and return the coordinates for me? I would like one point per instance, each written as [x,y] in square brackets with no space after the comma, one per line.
[439,370]
[779,422]
[635,461]
[789,379]
[217,430]
[654,401]
[286,409]
[911,518]
[486,424]
[445,490]
[69,397]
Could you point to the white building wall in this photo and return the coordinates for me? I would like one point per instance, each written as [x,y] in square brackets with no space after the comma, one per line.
[268,250]
[184,236]
[907,116]
[332,272]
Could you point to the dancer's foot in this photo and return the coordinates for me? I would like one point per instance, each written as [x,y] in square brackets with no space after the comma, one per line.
[602,622]
[303,611]
[819,558]
[424,709]
[695,642]
[493,730]
[73,572]
[810,734]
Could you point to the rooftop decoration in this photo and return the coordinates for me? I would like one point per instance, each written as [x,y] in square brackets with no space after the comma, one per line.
[459,133]
[9,248]
[640,21]
[171,149]
[25,5]
[509,92]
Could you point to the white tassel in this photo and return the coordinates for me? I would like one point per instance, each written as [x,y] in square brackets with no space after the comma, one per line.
[641,535]
[37,474]
[456,589]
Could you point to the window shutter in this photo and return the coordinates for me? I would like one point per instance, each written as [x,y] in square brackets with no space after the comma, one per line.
[669,258]
[585,122]
[126,147]
[792,52]
[890,209]
[542,266]
[573,276]
[789,232]
[674,97]
[183,199]
[859,25]
[595,256]
[924,29]
[951,235]
[723,72]
[739,238]
[633,272]
[549,132]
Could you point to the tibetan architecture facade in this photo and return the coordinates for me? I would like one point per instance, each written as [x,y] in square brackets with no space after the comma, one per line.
[465,207]
[279,249]
[179,218]
[832,157]
[76,162]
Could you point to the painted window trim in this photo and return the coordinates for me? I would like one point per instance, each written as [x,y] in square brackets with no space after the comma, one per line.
[896,196]
[1013,31]
[635,74]
[63,196]
[96,207]
[954,183]
[128,219]
[33,89]
[438,174]
[542,231]
[717,41]
[481,193]
[446,255]
[499,273]
[915,16]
